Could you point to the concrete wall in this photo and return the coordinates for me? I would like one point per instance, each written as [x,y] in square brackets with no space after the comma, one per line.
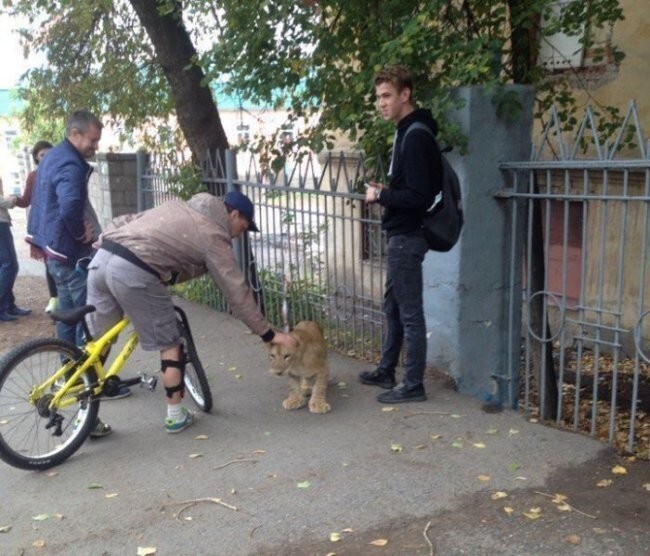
[113,186]
[466,289]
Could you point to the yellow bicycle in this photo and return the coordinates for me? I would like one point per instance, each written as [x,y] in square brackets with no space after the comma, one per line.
[50,389]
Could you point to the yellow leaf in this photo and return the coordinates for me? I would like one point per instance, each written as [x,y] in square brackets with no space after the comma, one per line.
[40,543]
[201,437]
[342,385]
[560,498]
[111,495]
[533,420]
[436,436]
[484,478]
[572,539]
[492,431]
[646,486]
[40,517]
[420,446]
[146,550]
[619,470]
[231,369]
[479,445]
[256,452]
[604,483]
[513,432]
[509,511]
[335,537]
[194,456]
[499,494]
[531,515]
[599,530]
[387,409]
[237,376]
[347,530]
[397,448]
[458,443]
[564,507]
[379,542]
[5,528]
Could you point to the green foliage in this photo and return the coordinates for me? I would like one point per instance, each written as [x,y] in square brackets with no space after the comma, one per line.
[317,57]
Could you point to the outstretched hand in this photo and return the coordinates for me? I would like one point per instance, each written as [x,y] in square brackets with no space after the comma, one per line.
[283,339]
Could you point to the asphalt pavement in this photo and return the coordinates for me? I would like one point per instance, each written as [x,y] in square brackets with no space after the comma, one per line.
[251,478]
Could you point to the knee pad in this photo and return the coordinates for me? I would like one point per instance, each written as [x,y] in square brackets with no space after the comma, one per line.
[180,387]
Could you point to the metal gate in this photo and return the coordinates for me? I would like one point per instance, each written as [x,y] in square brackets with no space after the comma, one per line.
[320,246]
[580,211]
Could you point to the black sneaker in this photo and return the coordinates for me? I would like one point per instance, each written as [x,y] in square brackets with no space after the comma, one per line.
[402,393]
[378,378]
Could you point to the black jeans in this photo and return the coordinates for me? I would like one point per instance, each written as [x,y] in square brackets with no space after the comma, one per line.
[403,308]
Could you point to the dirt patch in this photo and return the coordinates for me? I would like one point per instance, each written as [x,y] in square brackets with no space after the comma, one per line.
[31,293]
[584,519]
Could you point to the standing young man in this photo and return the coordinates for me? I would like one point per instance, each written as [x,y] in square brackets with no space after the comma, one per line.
[415,176]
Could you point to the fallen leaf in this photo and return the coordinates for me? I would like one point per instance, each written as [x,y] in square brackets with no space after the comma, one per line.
[646,486]
[564,507]
[331,554]
[111,495]
[396,448]
[619,470]
[436,436]
[484,478]
[492,431]
[335,537]
[387,409]
[40,517]
[560,498]
[146,550]
[455,416]
[259,452]
[304,484]
[347,530]
[231,369]
[457,443]
[5,528]
[572,539]
[533,420]
[188,518]
[420,446]
[499,494]
[520,478]
[599,530]
[237,376]
[512,432]
[478,445]
[533,513]
[59,516]
[194,456]
[342,385]
[52,473]
[94,486]
[40,543]
[604,483]
[201,437]
[4,422]
[509,511]
[379,542]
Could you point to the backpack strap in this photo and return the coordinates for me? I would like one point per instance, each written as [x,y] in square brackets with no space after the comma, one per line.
[414,125]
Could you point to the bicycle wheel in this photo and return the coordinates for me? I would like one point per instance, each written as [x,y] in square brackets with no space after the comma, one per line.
[26,440]
[196,381]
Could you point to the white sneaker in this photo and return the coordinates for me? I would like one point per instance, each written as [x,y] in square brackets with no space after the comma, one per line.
[52,304]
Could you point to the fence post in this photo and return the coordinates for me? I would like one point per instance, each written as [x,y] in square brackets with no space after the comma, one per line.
[141,163]
[466,290]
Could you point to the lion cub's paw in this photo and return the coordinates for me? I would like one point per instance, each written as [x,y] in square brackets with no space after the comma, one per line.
[294,402]
[319,407]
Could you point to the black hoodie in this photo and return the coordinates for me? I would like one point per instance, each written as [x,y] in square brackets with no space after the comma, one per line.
[416,176]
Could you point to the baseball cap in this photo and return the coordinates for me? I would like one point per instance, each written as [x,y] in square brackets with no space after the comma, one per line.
[239,201]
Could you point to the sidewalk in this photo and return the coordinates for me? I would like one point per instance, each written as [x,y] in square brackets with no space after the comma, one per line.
[364,471]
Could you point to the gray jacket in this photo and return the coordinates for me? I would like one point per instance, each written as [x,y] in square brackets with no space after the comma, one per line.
[188,239]
[5,204]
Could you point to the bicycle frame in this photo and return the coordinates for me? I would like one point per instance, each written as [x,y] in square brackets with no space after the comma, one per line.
[71,391]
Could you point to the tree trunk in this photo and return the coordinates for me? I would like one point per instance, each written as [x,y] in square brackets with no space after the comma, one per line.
[524,38]
[196,110]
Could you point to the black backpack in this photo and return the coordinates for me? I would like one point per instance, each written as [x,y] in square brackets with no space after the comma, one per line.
[444,218]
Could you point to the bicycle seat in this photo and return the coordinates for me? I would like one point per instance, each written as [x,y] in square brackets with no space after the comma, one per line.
[71,316]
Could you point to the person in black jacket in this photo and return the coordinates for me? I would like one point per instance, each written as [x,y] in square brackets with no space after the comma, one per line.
[415,180]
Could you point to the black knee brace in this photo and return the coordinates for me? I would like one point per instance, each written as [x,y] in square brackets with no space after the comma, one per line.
[180,387]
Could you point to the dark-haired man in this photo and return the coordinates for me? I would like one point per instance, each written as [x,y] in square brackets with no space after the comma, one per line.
[415,175]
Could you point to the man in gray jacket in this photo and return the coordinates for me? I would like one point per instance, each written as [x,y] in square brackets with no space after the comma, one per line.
[139,255]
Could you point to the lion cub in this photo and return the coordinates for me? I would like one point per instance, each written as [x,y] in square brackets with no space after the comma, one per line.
[305,366]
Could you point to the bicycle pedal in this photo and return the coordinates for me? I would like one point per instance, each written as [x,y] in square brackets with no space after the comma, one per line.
[149,381]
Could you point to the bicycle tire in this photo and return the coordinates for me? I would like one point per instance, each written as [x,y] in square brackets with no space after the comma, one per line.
[196,381]
[24,441]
